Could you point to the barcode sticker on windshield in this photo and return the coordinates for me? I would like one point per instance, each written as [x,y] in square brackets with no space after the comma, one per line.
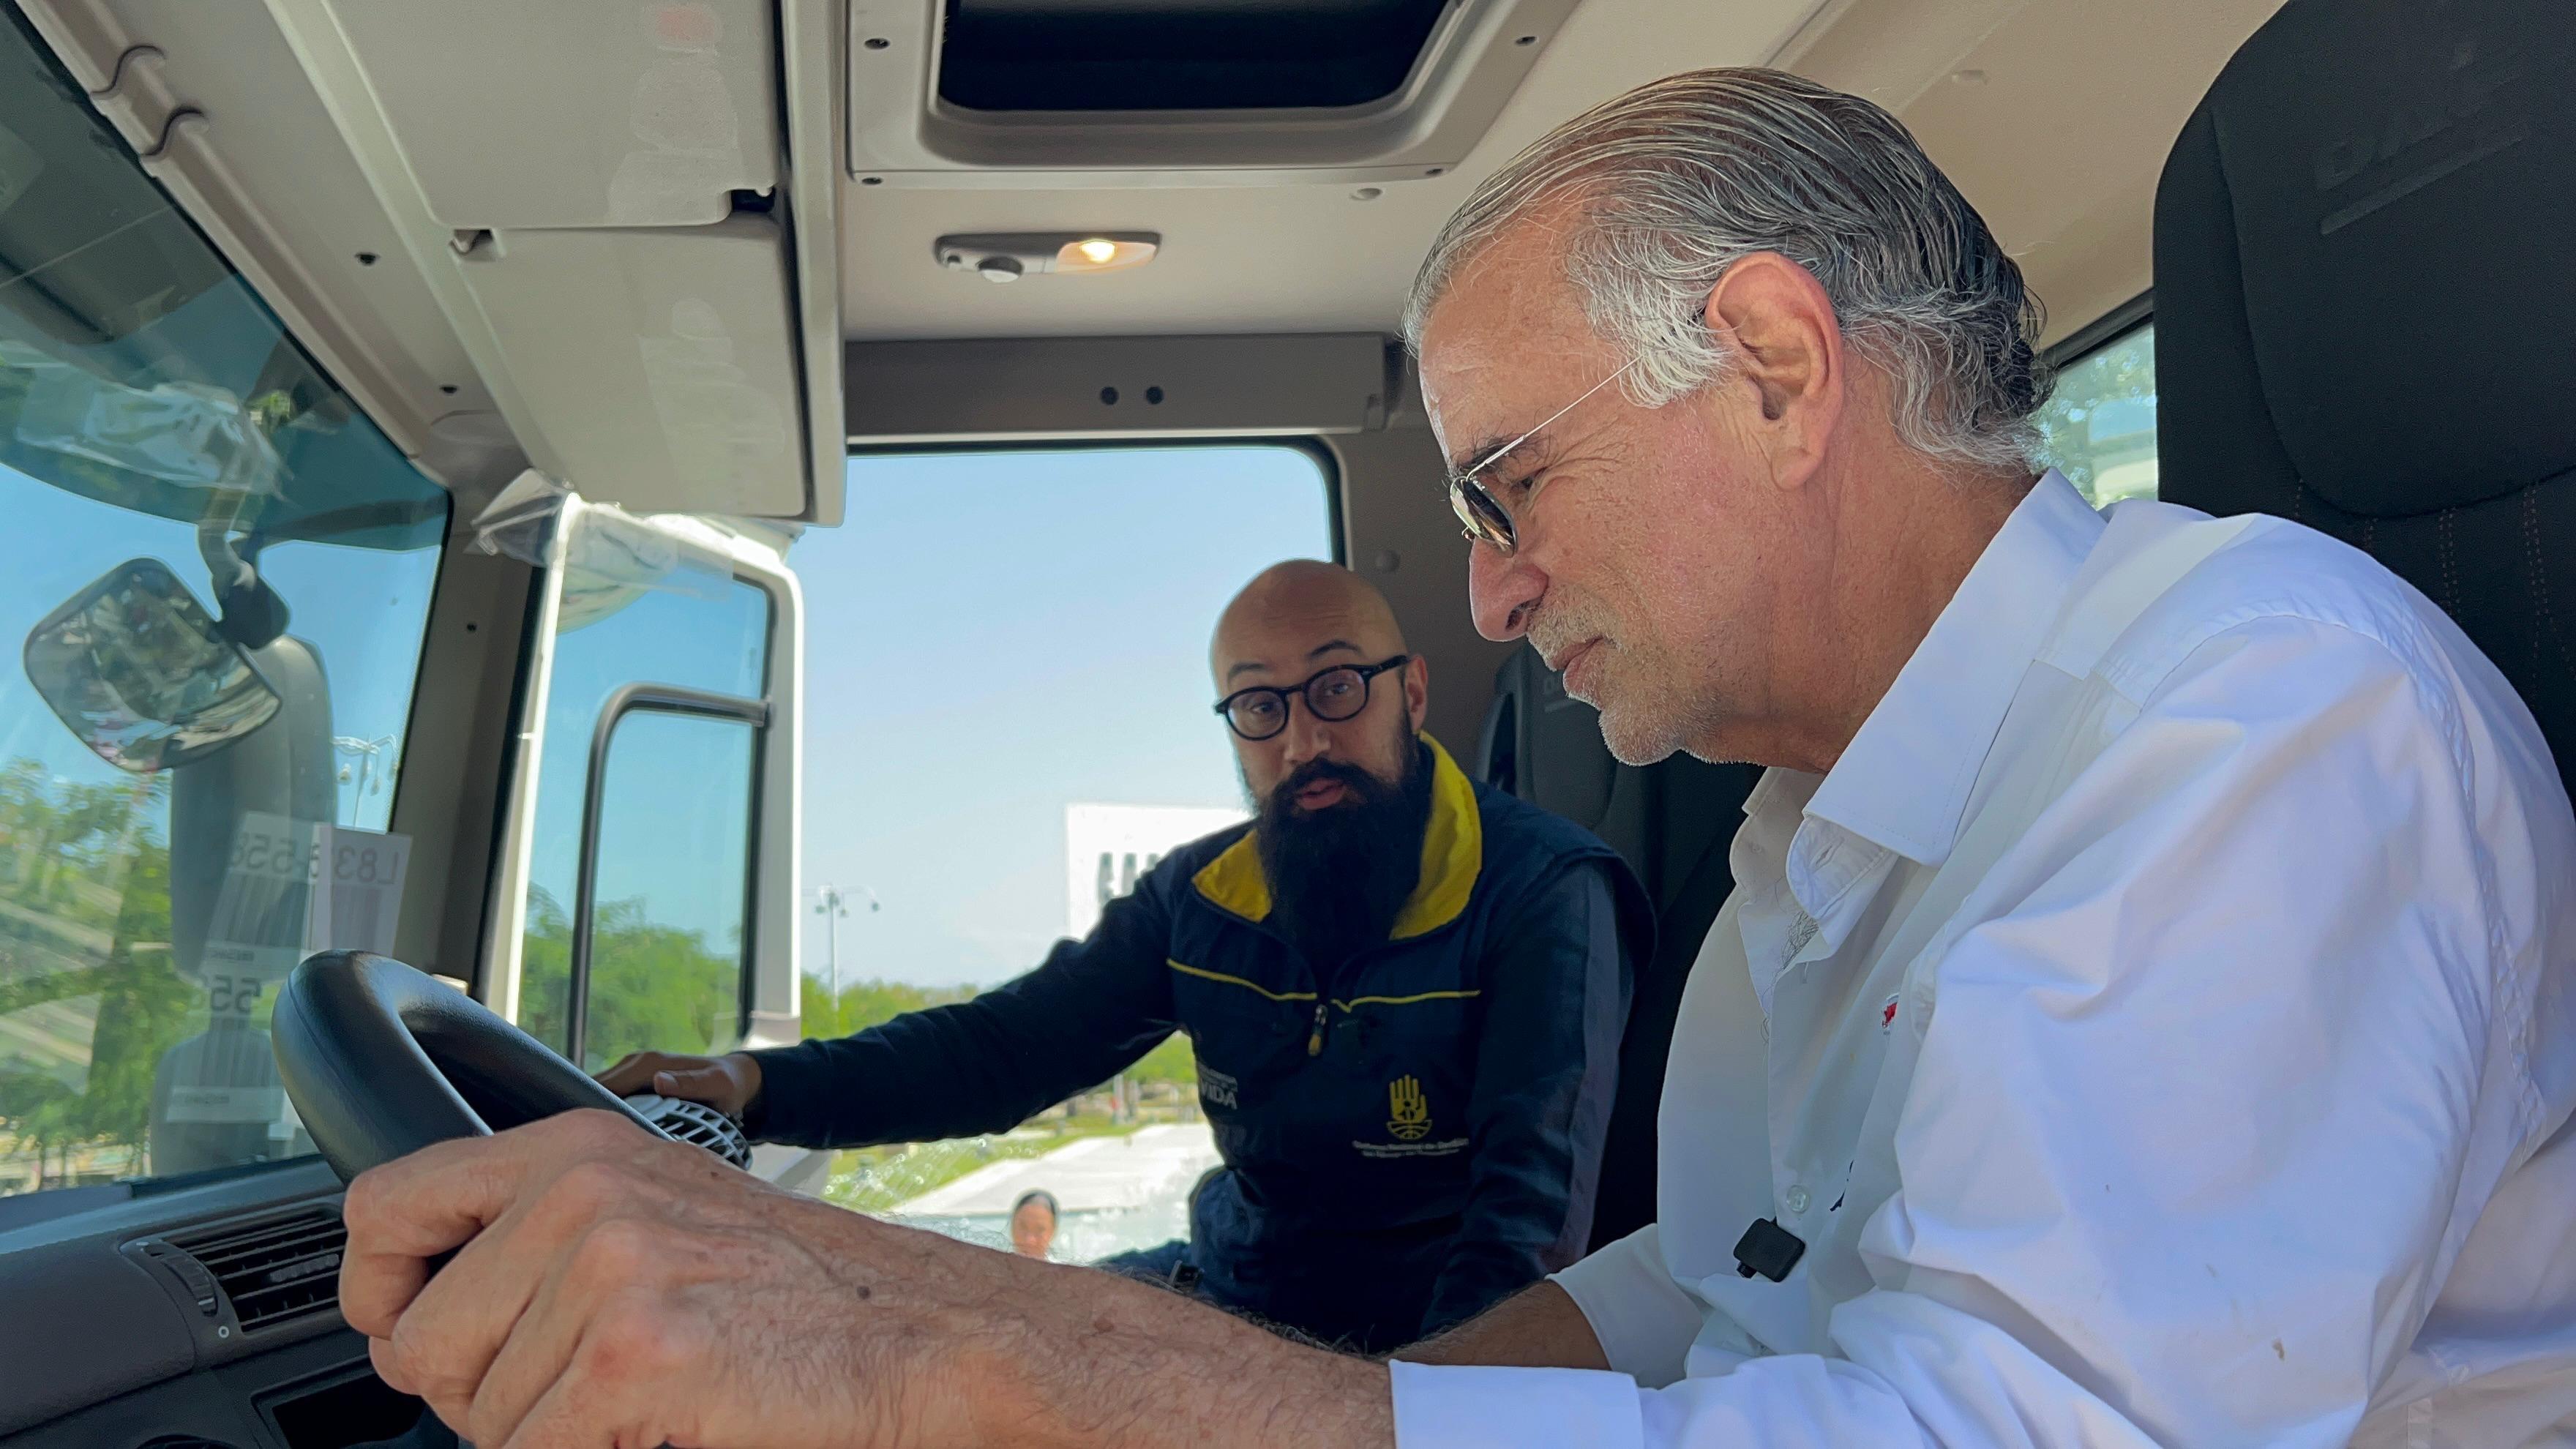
[294,887]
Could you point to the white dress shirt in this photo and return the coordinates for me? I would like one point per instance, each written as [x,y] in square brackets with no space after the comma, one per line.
[2159,1026]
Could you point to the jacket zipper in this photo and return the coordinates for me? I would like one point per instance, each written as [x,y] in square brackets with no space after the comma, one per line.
[1315,1043]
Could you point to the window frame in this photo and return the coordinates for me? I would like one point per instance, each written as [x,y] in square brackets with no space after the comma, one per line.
[769,988]
[2107,330]
[1328,468]
[675,700]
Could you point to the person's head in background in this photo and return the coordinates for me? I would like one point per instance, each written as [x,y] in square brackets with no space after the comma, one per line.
[1325,704]
[1033,1220]
[1744,386]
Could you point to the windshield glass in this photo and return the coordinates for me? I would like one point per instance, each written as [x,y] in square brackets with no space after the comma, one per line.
[214,578]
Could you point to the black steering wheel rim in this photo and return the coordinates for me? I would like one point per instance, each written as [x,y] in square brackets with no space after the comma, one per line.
[382,1060]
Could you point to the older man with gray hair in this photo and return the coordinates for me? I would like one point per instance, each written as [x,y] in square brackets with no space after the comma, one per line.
[2143,1016]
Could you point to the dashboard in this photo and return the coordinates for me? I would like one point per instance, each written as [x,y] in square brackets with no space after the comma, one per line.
[205,1317]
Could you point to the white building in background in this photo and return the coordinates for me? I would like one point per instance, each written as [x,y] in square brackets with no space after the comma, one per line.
[1106,847]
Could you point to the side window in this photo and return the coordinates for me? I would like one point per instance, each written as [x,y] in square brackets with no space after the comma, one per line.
[670,825]
[671,876]
[2100,426]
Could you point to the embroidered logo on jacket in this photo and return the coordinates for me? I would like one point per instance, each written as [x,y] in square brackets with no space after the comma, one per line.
[1408,1111]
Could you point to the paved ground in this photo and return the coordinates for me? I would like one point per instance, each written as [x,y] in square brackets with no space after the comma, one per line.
[1148,1168]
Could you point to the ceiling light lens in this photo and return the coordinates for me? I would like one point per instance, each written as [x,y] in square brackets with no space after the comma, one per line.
[1104,253]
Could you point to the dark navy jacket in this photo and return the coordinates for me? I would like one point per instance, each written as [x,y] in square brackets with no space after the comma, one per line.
[1404,1143]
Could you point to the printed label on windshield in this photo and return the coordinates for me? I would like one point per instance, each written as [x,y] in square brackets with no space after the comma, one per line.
[294,887]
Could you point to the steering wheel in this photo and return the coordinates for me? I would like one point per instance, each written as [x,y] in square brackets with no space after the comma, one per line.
[381,1060]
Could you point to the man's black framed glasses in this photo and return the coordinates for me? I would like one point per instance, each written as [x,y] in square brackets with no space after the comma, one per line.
[1336,694]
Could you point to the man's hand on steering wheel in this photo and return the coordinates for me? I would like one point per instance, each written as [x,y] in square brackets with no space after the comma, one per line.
[730,1084]
[610,1288]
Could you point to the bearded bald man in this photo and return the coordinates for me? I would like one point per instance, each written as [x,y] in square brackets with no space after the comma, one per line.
[1405,992]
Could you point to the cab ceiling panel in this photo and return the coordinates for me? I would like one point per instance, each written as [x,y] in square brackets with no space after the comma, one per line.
[1286,243]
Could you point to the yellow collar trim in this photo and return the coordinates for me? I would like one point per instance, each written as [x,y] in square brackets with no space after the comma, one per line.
[1453,851]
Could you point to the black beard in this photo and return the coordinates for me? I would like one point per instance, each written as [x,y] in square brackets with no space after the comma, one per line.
[1340,875]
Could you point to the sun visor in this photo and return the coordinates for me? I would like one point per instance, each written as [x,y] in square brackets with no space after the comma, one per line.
[610,116]
[659,368]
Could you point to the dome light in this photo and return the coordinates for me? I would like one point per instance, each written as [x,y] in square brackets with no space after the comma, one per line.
[1012,255]
[1104,254]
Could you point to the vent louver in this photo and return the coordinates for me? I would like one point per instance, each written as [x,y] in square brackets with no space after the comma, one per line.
[695,1123]
[273,1271]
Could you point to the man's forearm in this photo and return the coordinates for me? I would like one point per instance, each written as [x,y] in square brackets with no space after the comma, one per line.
[1108,1362]
[1538,1327]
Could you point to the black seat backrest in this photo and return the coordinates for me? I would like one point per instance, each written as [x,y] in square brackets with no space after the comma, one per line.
[2365,307]
[1544,745]
[1673,822]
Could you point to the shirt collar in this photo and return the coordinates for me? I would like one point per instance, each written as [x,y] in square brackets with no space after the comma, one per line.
[1453,851]
[1903,782]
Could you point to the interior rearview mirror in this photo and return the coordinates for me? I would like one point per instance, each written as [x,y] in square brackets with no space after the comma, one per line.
[136,668]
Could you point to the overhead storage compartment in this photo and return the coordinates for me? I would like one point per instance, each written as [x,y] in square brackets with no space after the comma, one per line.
[564,235]
[607,115]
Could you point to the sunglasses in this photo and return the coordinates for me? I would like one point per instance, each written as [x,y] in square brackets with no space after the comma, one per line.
[1481,515]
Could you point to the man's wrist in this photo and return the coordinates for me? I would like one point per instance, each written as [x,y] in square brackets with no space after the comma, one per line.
[749,1069]
[1148,1369]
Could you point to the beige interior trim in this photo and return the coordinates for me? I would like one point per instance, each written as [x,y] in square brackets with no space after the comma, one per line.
[811,41]
[1118,387]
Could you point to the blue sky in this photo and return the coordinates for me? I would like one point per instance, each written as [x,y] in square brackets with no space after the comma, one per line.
[992,636]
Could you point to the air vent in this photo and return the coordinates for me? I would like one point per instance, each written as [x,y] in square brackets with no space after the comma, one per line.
[696,1124]
[273,1271]
[183,1441]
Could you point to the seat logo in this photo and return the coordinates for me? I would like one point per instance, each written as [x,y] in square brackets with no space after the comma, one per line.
[1408,1111]
[2404,139]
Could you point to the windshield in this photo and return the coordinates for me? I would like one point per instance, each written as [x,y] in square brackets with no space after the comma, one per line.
[214,578]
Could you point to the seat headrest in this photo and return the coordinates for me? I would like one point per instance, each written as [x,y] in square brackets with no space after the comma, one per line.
[2366,248]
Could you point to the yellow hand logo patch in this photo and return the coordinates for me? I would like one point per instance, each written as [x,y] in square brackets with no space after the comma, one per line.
[1408,1111]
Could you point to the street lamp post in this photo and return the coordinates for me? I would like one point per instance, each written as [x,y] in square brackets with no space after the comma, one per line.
[833,908]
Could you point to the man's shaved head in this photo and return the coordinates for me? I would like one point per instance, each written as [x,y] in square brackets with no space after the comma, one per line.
[1303,600]
[1342,801]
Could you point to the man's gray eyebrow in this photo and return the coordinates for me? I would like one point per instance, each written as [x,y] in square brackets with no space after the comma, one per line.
[1483,453]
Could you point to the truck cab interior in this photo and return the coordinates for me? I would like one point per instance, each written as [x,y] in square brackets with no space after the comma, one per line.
[411,416]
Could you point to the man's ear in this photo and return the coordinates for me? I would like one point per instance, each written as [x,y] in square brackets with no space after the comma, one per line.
[1417,690]
[1787,345]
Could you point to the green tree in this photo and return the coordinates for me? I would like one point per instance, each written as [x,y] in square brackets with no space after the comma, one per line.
[2124,371]
[1171,1062]
[866,1003]
[77,860]
[652,986]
